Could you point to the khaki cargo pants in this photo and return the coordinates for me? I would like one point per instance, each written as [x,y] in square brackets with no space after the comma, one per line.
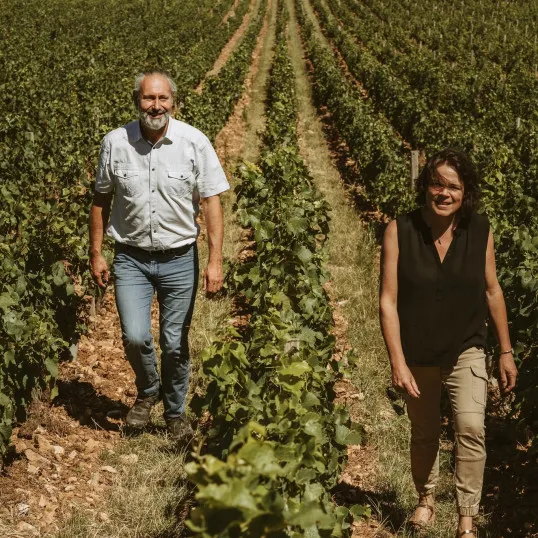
[466,384]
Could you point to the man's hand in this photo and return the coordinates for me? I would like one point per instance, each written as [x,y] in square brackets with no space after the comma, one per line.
[213,275]
[99,213]
[403,380]
[507,373]
[213,278]
[99,270]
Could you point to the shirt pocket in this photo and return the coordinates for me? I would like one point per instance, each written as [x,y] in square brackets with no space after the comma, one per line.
[128,181]
[180,182]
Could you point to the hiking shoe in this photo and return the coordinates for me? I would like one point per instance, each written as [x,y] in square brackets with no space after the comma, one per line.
[424,515]
[179,429]
[138,415]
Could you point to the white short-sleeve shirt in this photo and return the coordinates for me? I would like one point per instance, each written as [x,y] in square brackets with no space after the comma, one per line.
[157,188]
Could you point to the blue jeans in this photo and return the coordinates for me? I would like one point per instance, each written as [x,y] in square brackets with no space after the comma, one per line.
[174,277]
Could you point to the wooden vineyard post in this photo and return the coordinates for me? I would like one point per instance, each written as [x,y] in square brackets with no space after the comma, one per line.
[73,349]
[93,309]
[414,166]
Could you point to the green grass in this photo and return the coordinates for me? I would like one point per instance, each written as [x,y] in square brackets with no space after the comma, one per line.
[354,267]
[150,496]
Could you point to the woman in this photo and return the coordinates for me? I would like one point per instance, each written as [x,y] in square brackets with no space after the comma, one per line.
[438,283]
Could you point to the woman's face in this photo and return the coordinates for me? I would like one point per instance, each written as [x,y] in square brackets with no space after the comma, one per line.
[444,195]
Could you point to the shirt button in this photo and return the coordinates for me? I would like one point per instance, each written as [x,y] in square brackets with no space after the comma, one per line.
[153,169]
[153,211]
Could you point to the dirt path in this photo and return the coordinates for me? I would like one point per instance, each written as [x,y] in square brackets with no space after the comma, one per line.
[231,45]
[231,11]
[58,466]
[57,463]
[240,137]
[346,233]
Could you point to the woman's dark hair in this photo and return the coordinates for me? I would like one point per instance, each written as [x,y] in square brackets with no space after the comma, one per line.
[466,171]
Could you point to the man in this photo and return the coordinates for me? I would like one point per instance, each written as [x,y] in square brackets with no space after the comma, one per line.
[151,175]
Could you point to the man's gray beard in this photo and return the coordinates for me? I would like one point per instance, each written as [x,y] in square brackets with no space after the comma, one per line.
[153,124]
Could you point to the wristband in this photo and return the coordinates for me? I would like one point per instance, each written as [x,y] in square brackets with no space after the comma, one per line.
[511,350]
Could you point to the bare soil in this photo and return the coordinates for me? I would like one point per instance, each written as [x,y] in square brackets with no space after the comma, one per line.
[229,48]
[359,476]
[56,463]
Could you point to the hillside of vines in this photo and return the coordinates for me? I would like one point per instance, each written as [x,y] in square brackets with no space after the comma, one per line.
[391,79]
[61,95]
[429,88]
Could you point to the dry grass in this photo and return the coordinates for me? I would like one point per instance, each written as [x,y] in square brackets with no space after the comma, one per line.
[150,497]
[147,497]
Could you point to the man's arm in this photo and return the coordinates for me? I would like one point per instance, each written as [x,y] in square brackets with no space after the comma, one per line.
[213,275]
[99,214]
[497,312]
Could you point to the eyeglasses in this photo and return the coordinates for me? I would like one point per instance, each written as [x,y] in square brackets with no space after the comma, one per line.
[438,187]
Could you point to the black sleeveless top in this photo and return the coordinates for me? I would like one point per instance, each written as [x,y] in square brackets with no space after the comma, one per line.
[442,307]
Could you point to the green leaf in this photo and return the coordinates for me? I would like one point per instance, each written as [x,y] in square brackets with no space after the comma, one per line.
[52,367]
[297,369]
[310,514]
[9,357]
[303,254]
[313,428]
[6,301]
[311,400]
[5,434]
[5,400]
[262,458]
[296,225]
[234,494]
[359,510]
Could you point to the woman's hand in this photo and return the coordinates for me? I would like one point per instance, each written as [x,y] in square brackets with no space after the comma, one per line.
[497,311]
[403,380]
[507,373]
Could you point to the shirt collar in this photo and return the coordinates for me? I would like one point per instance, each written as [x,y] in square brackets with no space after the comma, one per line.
[171,131]
[134,132]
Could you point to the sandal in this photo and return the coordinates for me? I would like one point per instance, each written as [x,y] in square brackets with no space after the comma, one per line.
[466,533]
[424,514]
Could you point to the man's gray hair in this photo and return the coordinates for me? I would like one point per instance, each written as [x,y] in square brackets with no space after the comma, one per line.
[141,76]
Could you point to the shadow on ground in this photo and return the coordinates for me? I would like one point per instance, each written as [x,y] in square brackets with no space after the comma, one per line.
[510,495]
[83,403]
[383,503]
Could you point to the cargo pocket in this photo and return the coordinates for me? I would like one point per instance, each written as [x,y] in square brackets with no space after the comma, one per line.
[480,384]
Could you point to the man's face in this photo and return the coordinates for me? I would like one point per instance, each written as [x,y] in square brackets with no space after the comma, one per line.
[155,102]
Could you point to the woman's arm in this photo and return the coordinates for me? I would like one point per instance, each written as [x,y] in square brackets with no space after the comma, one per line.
[497,312]
[388,312]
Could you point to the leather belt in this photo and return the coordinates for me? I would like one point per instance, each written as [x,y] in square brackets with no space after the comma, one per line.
[130,249]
